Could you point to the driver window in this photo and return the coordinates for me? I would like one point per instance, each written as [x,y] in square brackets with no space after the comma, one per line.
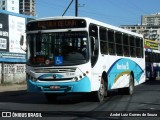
[93,33]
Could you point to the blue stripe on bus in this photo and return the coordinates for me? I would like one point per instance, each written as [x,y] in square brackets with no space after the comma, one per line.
[121,66]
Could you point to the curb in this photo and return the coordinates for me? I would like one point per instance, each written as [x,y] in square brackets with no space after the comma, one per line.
[12,87]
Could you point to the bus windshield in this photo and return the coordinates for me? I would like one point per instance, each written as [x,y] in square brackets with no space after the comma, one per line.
[57,48]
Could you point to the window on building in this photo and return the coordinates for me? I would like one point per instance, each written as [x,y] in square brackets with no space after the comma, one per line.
[3,2]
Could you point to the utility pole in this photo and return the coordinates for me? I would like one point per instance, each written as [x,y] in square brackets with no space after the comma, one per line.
[76,8]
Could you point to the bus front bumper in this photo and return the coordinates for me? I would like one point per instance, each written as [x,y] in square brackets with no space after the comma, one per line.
[82,85]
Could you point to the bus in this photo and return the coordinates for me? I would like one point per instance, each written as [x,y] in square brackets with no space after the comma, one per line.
[152,58]
[82,55]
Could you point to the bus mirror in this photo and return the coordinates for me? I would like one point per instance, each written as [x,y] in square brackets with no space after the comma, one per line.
[21,40]
[22,43]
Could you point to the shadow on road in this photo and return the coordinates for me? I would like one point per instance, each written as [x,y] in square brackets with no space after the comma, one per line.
[152,82]
[22,96]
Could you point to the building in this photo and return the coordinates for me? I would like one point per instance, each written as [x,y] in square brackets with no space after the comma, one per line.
[10,5]
[27,7]
[149,28]
[12,57]
[151,20]
[12,26]
[149,32]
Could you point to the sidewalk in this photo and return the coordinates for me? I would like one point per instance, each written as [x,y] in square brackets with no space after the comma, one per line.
[12,87]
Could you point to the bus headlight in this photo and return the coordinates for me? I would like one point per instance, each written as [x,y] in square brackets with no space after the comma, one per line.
[28,77]
[33,79]
[81,76]
[76,78]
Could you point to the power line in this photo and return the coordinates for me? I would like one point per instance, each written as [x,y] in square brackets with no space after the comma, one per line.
[106,16]
[102,15]
[137,7]
[67,8]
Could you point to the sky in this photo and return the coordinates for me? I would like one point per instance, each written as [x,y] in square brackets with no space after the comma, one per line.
[114,12]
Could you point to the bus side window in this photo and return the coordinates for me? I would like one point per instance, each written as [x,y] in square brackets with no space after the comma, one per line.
[132,46]
[111,42]
[93,33]
[126,50]
[118,40]
[103,40]
[142,48]
[138,47]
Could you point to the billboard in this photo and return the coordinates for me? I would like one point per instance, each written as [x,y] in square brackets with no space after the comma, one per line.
[152,45]
[16,29]
[4,33]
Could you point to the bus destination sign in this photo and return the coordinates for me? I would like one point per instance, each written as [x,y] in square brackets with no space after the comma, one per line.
[56,24]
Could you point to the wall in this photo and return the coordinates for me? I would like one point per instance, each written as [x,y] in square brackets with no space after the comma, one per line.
[12,73]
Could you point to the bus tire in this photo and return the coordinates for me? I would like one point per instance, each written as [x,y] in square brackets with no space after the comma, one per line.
[51,98]
[130,89]
[99,95]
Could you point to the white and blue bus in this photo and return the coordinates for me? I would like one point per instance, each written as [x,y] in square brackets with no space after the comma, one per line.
[81,55]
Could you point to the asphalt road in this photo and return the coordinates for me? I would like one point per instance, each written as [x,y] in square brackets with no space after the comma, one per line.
[144,102]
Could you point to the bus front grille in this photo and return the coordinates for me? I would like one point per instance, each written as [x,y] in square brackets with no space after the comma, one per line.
[54,70]
[58,79]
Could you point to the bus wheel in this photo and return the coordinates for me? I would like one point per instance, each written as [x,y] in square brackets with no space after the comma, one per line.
[130,89]
[99,95]
[51,98]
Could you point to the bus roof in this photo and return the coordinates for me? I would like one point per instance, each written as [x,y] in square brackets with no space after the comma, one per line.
[90,20]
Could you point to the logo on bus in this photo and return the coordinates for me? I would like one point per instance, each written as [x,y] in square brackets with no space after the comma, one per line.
[58,60]
[123,66]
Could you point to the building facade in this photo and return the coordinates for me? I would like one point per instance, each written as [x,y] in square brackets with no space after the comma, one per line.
[27,7]
[10,5]
[151,20]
